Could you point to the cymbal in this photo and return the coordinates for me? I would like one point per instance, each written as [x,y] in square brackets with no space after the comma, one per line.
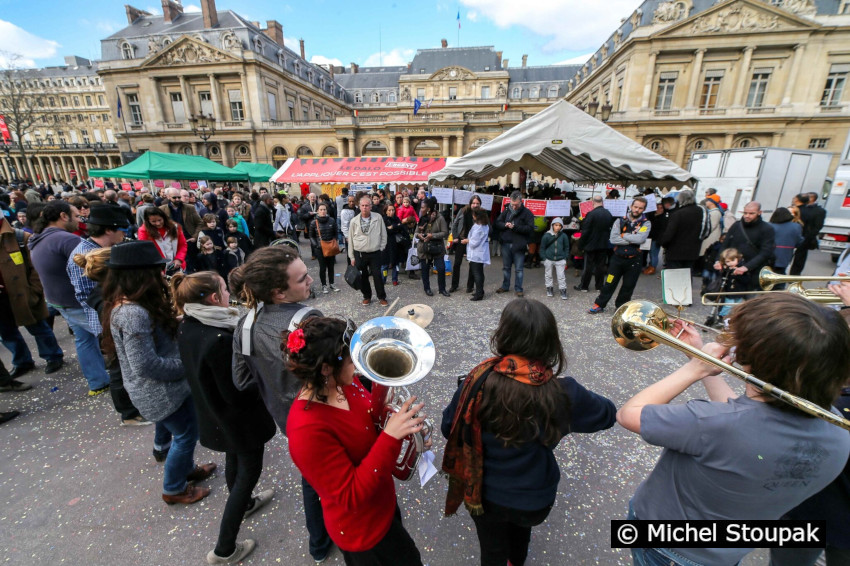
[418,313]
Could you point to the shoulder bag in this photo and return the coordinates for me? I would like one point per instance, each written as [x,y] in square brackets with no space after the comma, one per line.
[329,249]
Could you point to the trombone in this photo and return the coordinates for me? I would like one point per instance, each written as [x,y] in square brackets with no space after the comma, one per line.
[768,279]
[642,325]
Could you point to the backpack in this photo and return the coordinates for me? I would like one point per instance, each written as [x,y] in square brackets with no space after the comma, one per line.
[705,228]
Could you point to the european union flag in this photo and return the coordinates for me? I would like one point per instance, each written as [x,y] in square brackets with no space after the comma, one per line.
[120,108]
[416,105]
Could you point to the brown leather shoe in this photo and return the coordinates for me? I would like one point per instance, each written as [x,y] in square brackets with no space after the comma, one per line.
[200,473]
[192,494]
[366,301]
[384,302]
[649,270]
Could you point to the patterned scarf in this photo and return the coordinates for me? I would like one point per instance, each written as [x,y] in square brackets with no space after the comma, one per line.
[463,460]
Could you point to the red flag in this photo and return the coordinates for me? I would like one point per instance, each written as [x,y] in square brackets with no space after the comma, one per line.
[4,130]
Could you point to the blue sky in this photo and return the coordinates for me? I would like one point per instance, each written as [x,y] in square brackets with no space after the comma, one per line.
[367,33]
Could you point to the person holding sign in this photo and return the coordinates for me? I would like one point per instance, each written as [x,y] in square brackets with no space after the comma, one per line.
[627,235]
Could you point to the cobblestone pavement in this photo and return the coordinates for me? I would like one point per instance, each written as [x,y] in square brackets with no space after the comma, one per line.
[78,489]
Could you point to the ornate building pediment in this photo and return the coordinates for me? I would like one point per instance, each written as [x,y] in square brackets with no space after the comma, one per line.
[188,51]
[453,74]
[743,16]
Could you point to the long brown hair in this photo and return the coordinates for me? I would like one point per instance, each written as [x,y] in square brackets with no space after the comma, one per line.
[794,344]
[261,275]
[515,412]
[169,225]
[145,287]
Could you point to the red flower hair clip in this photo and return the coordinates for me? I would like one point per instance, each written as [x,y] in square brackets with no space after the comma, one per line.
[295,343]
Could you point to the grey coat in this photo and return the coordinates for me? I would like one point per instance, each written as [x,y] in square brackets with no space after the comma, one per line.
[150,363]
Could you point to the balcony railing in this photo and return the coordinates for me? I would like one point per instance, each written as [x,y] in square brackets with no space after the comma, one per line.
[712,111]
[136,127]
[836,108]
[296,124]
[761,110]
[666,112]
[175,125]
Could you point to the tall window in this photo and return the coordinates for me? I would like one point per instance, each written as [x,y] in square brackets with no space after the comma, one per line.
[135,109]
[291,106]
[272,99]
[553,91]
[177,107]
[391,96]
[834,85]
[452,93]
[420,94]
[85,136]
[516,92]
[63,101]
[76,101]
[376,97]
[534,92]
[358,97]
[126,50]
[710,88]
[237,114]
[100,101]
[758,88]
[206,102]
[485,92]
[88,101]
[305,112]
[666,86]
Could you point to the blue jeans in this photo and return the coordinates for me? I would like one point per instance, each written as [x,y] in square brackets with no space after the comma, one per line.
[656,556]
[428,263]
[183,426]
[320,542]
[48,348]
[88,348]
[728,305]
[512,255]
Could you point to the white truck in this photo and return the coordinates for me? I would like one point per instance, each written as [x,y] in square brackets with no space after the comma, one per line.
[835,234]
[769,175]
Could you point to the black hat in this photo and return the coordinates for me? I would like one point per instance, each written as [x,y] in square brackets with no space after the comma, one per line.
[135,255]
[108,215]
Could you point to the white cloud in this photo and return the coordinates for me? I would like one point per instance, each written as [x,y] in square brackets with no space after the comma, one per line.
[29,47]
[472,16]
[549,18]
[578,60]
[292,43]
[322,60]
[394,58]
[191,9]
[102,26]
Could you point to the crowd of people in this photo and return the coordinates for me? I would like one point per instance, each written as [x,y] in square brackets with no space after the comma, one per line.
[146,288]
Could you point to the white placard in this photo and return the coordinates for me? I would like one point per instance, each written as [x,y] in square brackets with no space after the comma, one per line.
[486,201]
[367,187]
[462,197]
[676,287]
[426,468]
[646,245]
[617,207]
[650,203]
[562,208]
[839,187]
[443,195]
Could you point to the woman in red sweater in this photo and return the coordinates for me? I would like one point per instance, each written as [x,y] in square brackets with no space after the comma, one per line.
[167,235]
[338,450]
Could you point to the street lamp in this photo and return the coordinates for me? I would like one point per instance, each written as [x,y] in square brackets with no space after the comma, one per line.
[592,107]
[203,126]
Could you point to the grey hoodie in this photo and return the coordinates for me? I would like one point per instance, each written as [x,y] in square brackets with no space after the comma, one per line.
[50,251]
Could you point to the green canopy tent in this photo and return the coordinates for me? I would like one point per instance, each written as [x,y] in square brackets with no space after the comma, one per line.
[257,172]
[155,165]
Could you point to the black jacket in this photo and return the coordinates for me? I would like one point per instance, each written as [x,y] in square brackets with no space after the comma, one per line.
[326,229]
[244,242]
[596,230]
[229,420]
[813,217]
[263,225]
[755,242]
[523,222]
[681,239]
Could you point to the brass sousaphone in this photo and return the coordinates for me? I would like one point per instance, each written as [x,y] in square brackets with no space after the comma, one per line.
[392,353]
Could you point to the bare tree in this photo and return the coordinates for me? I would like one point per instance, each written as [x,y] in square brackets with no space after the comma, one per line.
[22,103]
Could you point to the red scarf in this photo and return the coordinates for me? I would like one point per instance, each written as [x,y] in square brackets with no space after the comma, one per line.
[463,459]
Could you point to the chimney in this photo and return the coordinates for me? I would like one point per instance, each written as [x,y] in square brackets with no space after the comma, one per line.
[354,68]
[210,14]
[171,10]
[444,43]
[504,63]
[274,31]
[524,61]
[331,70]
[301,43]
[498,54]
[134,14]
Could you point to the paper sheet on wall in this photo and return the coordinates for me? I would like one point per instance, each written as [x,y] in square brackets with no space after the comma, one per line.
[486,201]
[426,468]
[462,197]
[650,203]
[617,207]
[676,287]
[443,195]
[562,208]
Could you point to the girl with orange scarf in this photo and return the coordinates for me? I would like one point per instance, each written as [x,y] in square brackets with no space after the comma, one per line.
[503,425]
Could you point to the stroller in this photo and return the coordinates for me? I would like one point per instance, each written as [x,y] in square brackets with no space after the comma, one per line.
[716,285]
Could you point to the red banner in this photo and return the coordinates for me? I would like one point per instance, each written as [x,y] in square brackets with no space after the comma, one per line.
[126,186]
[536,207]
[359,170]
[176,185]
[4,130]
[139,185]
[159,184]
[98,183]
[193,185]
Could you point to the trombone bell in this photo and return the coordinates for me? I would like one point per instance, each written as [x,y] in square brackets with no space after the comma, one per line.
[638,311]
